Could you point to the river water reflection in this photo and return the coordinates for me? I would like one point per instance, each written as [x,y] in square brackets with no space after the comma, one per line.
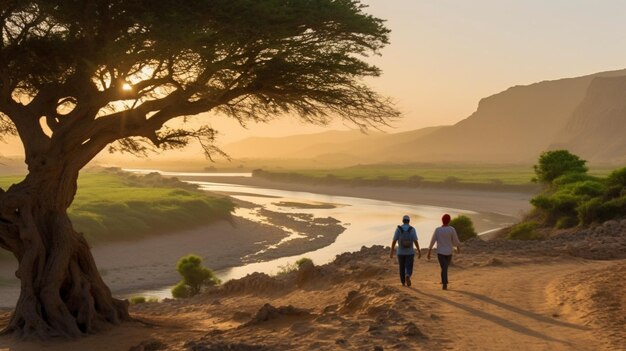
[368,222]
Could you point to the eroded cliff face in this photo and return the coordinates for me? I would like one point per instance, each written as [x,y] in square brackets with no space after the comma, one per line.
[597,129]
[585,115]
[515,125]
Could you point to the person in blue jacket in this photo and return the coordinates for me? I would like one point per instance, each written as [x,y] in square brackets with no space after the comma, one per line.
[405,236]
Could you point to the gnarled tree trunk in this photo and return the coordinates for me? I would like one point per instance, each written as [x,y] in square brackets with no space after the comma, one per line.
[62,292]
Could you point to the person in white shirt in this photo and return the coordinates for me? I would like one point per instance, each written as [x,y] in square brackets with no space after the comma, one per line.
[446,238]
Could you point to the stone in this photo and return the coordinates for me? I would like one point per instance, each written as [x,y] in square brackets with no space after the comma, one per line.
[411,330]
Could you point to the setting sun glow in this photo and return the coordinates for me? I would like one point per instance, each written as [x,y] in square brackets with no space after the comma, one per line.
[127,87]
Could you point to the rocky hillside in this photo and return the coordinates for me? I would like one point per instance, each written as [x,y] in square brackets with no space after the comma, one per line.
[597,129]
[585,114]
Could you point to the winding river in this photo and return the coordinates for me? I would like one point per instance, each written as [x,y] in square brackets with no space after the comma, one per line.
[367,221]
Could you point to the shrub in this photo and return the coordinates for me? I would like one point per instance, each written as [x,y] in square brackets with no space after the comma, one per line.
[137,299]
[566,222]
[292,267]
[553,164]
[302,261]
[556,205]
[464,227]
[612,209]
[181,291]
[575,197]
[286,269]
[195,277]
[587,212]
[616,183]
[573,178]
[524,231]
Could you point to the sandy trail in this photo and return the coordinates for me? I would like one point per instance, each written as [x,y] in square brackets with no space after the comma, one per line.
[509,309]
[514,306]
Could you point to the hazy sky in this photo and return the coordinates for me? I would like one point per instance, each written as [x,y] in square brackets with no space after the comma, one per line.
[445,55]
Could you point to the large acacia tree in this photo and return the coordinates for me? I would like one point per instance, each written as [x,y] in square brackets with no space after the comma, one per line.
[80,76]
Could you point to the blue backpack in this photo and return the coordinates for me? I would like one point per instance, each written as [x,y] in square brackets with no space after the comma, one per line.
[405,240]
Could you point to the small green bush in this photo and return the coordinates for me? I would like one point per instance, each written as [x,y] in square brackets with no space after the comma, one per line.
[181,291]
[302,261]
[137,300]
[524,231]
[292,267]
[464,227]
[581,199]
[195,277]
[286,269]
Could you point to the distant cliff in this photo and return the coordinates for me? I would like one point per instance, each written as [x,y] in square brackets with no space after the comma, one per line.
[586,115]
[597,129]
[515,125]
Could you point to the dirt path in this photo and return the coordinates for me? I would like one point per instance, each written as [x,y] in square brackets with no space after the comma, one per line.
[510,308]
[515,303]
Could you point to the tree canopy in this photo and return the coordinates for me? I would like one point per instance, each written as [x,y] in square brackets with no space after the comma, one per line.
[77,76]
[553,164]
[96,72]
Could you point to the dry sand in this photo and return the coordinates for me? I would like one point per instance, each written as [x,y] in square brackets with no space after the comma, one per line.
[495,302]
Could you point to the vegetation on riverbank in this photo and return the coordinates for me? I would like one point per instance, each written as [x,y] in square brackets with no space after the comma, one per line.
[113,205]
[482,177]
[572,197]
[195,277]
[460,176]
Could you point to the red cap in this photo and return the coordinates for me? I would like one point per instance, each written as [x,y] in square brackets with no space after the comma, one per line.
[445,219]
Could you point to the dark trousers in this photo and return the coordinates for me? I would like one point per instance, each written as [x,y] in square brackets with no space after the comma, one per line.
[406,266]
[444,262]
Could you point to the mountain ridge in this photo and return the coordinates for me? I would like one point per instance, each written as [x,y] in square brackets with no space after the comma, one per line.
[512,126]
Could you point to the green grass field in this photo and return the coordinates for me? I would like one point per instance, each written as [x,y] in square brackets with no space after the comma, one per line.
[483,174]
[111,206]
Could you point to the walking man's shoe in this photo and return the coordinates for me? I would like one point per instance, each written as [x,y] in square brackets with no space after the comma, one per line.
[445,287]
[408,280]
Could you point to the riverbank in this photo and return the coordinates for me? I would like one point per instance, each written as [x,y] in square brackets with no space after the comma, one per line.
[513,204]
[257,233]
[149,263]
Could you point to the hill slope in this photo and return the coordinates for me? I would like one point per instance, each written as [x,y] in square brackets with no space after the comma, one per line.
[513,126]
[354,144]
[597,129]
